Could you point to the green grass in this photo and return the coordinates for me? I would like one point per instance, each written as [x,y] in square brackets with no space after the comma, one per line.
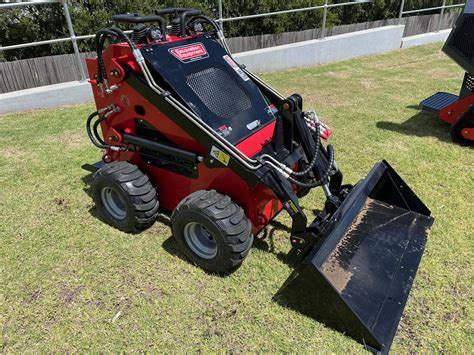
[71,283]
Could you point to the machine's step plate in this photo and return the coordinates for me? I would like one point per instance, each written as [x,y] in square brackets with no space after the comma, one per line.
[438,101]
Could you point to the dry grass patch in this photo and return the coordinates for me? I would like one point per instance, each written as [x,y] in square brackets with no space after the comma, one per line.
[71,139]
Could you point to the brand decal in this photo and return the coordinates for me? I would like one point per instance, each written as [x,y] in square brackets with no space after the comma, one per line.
[190,53]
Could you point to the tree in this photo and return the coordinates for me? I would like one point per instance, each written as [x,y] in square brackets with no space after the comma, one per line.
[42,22]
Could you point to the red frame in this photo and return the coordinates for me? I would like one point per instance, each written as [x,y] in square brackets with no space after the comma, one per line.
[452,113]
[259,202]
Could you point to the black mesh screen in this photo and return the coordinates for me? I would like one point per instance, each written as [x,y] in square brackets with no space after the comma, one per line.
[212,87]
[463,38]
[219,92]
[468,82]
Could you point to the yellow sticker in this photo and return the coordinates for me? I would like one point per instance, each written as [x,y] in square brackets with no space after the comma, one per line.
[220,155]
[292,206]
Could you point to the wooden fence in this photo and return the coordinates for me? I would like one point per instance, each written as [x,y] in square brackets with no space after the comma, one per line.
[413,26]
[29,73]
[34,72]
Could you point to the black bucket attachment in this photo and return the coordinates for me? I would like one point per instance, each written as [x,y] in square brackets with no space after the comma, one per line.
[357,279]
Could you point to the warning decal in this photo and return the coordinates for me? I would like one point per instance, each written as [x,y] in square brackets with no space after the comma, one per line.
[236,67]
[190,53]
[220,155]
[292,205]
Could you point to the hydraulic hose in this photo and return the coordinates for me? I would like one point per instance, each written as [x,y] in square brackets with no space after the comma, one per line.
[100,38]
[96,131]
[205,18]
[94,136]
[218,30]
[123,36]
[89,132]
[315,155]
[323,178]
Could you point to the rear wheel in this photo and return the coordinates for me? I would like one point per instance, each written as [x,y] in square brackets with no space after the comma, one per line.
[212,231]
[466,121]
[124,196]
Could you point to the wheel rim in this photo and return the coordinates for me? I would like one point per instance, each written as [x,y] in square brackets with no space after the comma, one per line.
[113,203]
[200,240]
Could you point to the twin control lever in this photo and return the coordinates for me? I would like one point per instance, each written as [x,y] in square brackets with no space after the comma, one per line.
[178,20]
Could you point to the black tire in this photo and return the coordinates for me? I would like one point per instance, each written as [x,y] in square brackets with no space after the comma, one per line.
[226,226]
[137,204]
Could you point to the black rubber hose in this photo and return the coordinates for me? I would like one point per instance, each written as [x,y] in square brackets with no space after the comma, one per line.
[98,143]
[122,35]
[95,137]
[315,155]
[323,178]
[96,131]
[101,44]
[89,131]
[100,38]
[100,64]
[207,19]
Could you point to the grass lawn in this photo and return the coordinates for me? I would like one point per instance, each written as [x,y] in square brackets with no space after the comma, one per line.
[71,282]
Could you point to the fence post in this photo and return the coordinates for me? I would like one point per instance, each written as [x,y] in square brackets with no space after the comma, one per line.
[438,26]
[219,6]
[325,15]
[402,7]
[80,65]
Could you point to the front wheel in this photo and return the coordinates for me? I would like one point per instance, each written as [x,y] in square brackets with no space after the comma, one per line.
[124,196]
[212,231]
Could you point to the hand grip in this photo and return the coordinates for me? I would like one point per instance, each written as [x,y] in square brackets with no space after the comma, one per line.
[136,18]
[182,13]
[172,10]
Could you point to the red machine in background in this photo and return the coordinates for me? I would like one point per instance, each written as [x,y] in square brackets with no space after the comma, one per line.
[458,110]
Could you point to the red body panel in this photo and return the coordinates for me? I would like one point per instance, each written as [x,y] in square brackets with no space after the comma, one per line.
[452,112]
[468,133]
[259,202]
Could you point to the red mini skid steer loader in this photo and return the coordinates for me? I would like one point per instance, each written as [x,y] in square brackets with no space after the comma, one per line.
[188,130]
[458,110]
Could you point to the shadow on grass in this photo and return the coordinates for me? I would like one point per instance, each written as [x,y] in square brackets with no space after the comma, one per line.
[266,243]
[170,246]
[87,179]
[420,125]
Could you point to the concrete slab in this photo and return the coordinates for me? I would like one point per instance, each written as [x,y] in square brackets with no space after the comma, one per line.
[425,38]
[320,51]
[70,93]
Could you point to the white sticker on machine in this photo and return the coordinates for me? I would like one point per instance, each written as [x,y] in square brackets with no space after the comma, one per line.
[224,158]
[236,67]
